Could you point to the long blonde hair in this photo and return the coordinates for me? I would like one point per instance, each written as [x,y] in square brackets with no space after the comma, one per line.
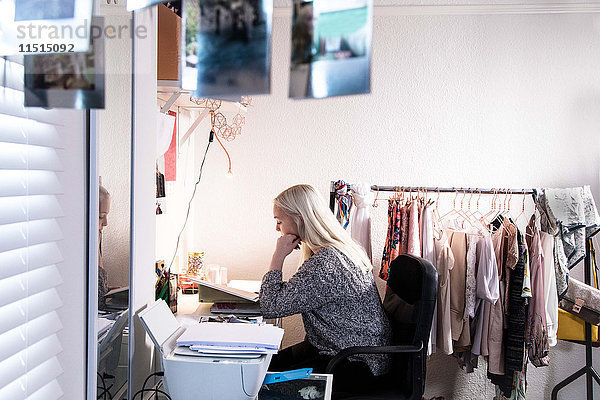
[318,227]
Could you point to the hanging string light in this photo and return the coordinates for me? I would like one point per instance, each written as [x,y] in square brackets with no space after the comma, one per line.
[219,124]
[211,104]
[223,129]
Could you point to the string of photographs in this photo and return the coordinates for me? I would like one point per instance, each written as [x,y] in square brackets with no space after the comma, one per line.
[226,48]
[42,26]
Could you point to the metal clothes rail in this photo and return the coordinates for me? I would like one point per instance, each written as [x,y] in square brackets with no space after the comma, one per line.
[378,188]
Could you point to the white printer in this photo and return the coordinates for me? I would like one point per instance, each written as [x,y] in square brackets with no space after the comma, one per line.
[191,376]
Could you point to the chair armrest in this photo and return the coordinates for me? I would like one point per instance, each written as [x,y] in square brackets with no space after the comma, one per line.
[350,351]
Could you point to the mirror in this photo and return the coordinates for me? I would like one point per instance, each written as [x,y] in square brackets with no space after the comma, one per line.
[113,130]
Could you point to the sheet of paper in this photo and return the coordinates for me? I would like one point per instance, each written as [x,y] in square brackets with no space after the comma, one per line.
[234,335]
[231,350]
[248,286]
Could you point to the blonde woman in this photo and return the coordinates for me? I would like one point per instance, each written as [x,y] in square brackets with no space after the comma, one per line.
[333,289]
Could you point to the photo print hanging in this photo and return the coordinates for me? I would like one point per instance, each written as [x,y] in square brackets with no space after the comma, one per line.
[43,9]
[133,5]
[331,48]
[43,26]
[226,47]
[67,80]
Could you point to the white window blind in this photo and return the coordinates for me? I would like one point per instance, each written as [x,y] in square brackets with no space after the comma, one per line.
[30,243]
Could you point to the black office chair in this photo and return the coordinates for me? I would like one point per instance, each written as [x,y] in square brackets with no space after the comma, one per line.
[409,302]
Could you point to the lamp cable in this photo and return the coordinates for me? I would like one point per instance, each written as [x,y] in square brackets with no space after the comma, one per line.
[187,215]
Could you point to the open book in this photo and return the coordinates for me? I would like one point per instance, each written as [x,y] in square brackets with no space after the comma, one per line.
[222,293]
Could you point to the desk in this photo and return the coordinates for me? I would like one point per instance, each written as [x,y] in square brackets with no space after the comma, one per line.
[189,304]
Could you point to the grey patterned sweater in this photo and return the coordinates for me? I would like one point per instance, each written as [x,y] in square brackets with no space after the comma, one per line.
[339,303]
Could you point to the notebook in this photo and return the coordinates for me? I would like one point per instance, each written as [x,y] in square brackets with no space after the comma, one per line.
[222,293]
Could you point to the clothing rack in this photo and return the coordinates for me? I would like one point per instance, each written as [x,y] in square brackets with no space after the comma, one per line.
[378,188]
[588,369]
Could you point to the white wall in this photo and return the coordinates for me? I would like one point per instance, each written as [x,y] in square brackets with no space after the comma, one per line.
[482,100]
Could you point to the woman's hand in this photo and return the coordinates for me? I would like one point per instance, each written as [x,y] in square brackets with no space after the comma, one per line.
[285,245]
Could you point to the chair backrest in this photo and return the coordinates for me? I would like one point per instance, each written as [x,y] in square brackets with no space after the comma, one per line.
[409,302]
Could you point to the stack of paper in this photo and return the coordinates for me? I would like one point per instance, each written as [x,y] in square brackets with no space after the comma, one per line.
[218,338]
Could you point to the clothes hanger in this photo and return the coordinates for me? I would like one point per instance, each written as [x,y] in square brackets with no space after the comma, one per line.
[424,195]
[537,215]
[468,211]
[488,218]
[485,217]
[402,197]
[436,212]
[462,212]
[505,212]
[502,205]
[480,218]
[533,218]
[477,214]
[396,197]
[453,210]
[438,225]
[376,198]
[472,218]
[522,213]
[499,206]
[429,201]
